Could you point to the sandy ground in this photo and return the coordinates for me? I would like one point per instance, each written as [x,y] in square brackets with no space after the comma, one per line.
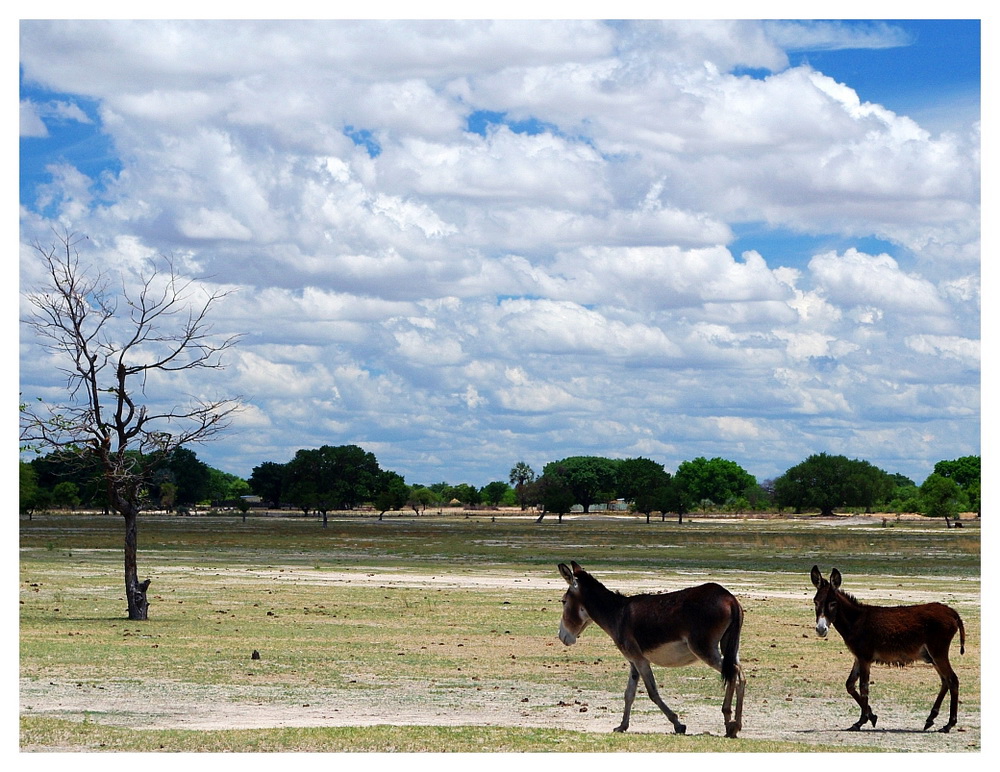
[410,702]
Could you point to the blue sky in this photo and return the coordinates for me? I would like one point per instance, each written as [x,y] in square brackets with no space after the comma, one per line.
[466,245]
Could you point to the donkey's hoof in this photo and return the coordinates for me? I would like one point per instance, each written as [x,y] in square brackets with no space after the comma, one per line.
[680,728]
[732,729]
[620,729]
[945,729]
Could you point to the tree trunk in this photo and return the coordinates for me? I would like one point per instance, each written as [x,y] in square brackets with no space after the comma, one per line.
[135,591]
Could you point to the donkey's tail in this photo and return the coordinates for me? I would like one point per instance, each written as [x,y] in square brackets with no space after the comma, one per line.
[961,633]
[731,642]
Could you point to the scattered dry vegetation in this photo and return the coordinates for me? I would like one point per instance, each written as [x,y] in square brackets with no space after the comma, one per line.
[440,635]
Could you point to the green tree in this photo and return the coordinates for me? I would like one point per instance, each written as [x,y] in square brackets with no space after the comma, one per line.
[591,479]
[940,497]
[225,488]
[168,495]
[422,497]
[635,476]
[78,466]
[329,478]
[243,506]
[966,472]
[494,493]
[553,493]
[467,494]
[66,495]
[662,498]
[192,476]
[521,475]
[715,480]
[114,343]
[393,493]
[267,480]
[31,495]
[646,485]
[831,482]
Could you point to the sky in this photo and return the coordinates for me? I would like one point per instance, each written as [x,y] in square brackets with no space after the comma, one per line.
[461,245]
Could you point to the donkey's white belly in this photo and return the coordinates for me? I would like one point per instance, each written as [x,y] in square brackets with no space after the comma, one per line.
[673,654]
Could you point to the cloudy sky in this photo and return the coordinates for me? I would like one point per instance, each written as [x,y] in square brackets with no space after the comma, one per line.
[464,245]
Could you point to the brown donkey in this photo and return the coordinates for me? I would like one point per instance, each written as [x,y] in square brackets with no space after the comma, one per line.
[667,629]
[889,635]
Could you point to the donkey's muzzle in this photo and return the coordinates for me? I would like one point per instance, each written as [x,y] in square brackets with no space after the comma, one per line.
[566,636]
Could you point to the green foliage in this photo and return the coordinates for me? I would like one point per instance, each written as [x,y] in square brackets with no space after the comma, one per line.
[646,485]
[522,476]
[830,482]
[553,492]
[494,493]
[590,479]
[940,496]
[966,472]
[66,495]
[330,478]
[463,493]
[225,488]
[905,498]
[81,467]
[422,497]
[713,480]
[635,477]
[168,495]
[393,493]
[267,480]
[192,476]
[31,496]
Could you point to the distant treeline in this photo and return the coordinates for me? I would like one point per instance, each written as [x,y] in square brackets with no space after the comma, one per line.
[345,477]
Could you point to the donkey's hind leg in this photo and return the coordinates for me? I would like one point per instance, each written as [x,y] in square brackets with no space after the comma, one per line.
[633,683]
[949,682]
[647,678]
[738,685]
[711,656]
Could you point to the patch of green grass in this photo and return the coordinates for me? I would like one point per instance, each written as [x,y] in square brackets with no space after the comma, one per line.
[53,734]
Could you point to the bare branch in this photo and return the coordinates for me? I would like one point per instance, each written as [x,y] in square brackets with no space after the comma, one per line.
[111,344]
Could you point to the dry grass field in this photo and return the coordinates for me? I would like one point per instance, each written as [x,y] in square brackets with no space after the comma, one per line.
[439,634]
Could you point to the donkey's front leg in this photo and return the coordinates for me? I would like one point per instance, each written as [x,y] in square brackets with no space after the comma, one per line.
[633,682]
[647,678]
[861,670]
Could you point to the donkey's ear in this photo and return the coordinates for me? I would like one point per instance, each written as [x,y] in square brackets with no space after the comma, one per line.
[577,568]
[566,572]
[816,576]
[835,578]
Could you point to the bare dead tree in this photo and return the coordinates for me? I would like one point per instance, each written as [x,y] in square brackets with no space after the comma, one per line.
[113,340]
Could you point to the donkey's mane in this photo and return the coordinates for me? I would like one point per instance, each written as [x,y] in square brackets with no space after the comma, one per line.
[853,598]
[596,584]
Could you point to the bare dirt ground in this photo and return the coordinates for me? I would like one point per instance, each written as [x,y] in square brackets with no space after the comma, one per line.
[410,702]
[182,706]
